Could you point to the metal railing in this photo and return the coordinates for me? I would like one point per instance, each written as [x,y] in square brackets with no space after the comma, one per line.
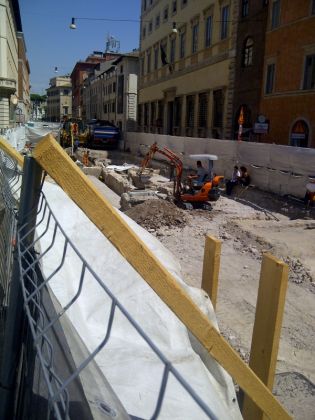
[38,328]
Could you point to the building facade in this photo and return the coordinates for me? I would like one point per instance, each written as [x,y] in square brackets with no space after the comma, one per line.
[288,92]
[81,71]
[59,99]
[10,24]
[111,92]
[249,64]
[187,57]
[24,108]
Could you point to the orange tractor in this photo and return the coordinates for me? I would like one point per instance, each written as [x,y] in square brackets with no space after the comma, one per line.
[189,194]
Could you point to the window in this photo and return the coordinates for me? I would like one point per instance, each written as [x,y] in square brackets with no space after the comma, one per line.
[142,66]
[190,111]
[313,7]
[270,78]
[248,52]
[203,110]
[114,87]
[173,50]
[275,14]
[182,44]
[309,72]
[150,26]
[218,108]
[157,21]
[156,58]
[177,112]
[113,107]
[224,21]
[66,92]
[165,14]
[149,62]
[184,3]
[144,5]
[146,114]
[195,30]
[245,8]
[144,31]
[208,31]
[153,112]
[174,7]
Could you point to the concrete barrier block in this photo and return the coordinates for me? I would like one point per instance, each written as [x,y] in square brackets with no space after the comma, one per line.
[116,182]
[93,170]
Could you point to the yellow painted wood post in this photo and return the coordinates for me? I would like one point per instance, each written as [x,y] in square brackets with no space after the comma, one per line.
[211,268]
[267,327]
[50,155]
[9,150]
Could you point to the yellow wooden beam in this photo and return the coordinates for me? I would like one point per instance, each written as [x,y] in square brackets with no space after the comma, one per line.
[267,327]
[211,268]
[50,155]
[10,151]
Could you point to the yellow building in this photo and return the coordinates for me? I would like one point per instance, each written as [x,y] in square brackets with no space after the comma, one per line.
[187,56]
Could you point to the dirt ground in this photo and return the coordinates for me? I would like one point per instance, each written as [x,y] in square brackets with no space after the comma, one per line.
[250,223]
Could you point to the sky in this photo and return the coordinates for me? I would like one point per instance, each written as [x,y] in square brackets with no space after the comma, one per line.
[50,43]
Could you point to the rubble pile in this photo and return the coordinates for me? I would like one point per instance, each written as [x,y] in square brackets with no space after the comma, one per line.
[152,214]
[297,272]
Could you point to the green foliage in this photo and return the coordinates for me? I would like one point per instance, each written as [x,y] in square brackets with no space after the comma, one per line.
[38,98]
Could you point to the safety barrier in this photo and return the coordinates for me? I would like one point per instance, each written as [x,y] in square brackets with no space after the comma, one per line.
[284,170]
[62,169]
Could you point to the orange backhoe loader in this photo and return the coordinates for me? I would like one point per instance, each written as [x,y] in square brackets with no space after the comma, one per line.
[187,194]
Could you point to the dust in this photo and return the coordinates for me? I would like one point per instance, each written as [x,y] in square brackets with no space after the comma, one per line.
[153,214]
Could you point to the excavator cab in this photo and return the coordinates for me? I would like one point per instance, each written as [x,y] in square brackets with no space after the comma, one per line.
[208,189]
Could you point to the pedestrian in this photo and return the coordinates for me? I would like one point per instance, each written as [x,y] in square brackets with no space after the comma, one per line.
[230,184]
[244,177]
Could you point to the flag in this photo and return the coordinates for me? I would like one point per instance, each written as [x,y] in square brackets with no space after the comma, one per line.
[163,56]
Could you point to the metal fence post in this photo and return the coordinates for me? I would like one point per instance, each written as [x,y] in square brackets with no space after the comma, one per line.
[13,338]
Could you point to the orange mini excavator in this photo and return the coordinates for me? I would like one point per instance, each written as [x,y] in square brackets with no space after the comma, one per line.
[186,194]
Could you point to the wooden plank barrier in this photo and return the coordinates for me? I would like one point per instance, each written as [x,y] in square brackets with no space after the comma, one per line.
[267,327]
[82,191]
[10,151]
[211,268]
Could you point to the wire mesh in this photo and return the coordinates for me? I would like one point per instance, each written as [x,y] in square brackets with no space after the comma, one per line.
[10,185]
[30,258]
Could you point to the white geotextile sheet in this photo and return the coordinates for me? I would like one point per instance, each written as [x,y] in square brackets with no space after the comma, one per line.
[18,136]
[129,365]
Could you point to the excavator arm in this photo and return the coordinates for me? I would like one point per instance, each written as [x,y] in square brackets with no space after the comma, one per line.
[173,158]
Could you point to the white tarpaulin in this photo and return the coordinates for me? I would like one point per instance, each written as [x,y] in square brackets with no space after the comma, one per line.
[30,133]
[131,368]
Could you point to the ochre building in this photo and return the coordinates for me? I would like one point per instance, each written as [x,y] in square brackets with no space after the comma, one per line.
[288,93]
[187,55]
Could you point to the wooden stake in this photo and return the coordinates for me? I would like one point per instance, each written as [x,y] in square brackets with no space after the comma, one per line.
[267,328]
[211,268]
[50,155]
[9,150]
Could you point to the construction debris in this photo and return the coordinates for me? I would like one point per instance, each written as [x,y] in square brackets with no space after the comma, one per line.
[152,214]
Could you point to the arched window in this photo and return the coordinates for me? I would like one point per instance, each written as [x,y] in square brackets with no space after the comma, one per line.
[248,52]
[299,134]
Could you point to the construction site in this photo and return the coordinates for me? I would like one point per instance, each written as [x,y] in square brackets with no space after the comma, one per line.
[220,248]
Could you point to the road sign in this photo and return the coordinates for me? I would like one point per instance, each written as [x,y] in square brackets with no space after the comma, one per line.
[261,128]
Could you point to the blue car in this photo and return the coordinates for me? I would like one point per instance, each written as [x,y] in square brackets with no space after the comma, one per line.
[102,134]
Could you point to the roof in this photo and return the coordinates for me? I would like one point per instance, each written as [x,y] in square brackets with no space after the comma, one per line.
[203,157]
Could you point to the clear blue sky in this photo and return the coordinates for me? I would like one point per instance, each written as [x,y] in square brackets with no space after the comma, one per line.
[50,43]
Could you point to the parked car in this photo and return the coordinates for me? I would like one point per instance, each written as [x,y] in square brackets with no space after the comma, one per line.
[102,134]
